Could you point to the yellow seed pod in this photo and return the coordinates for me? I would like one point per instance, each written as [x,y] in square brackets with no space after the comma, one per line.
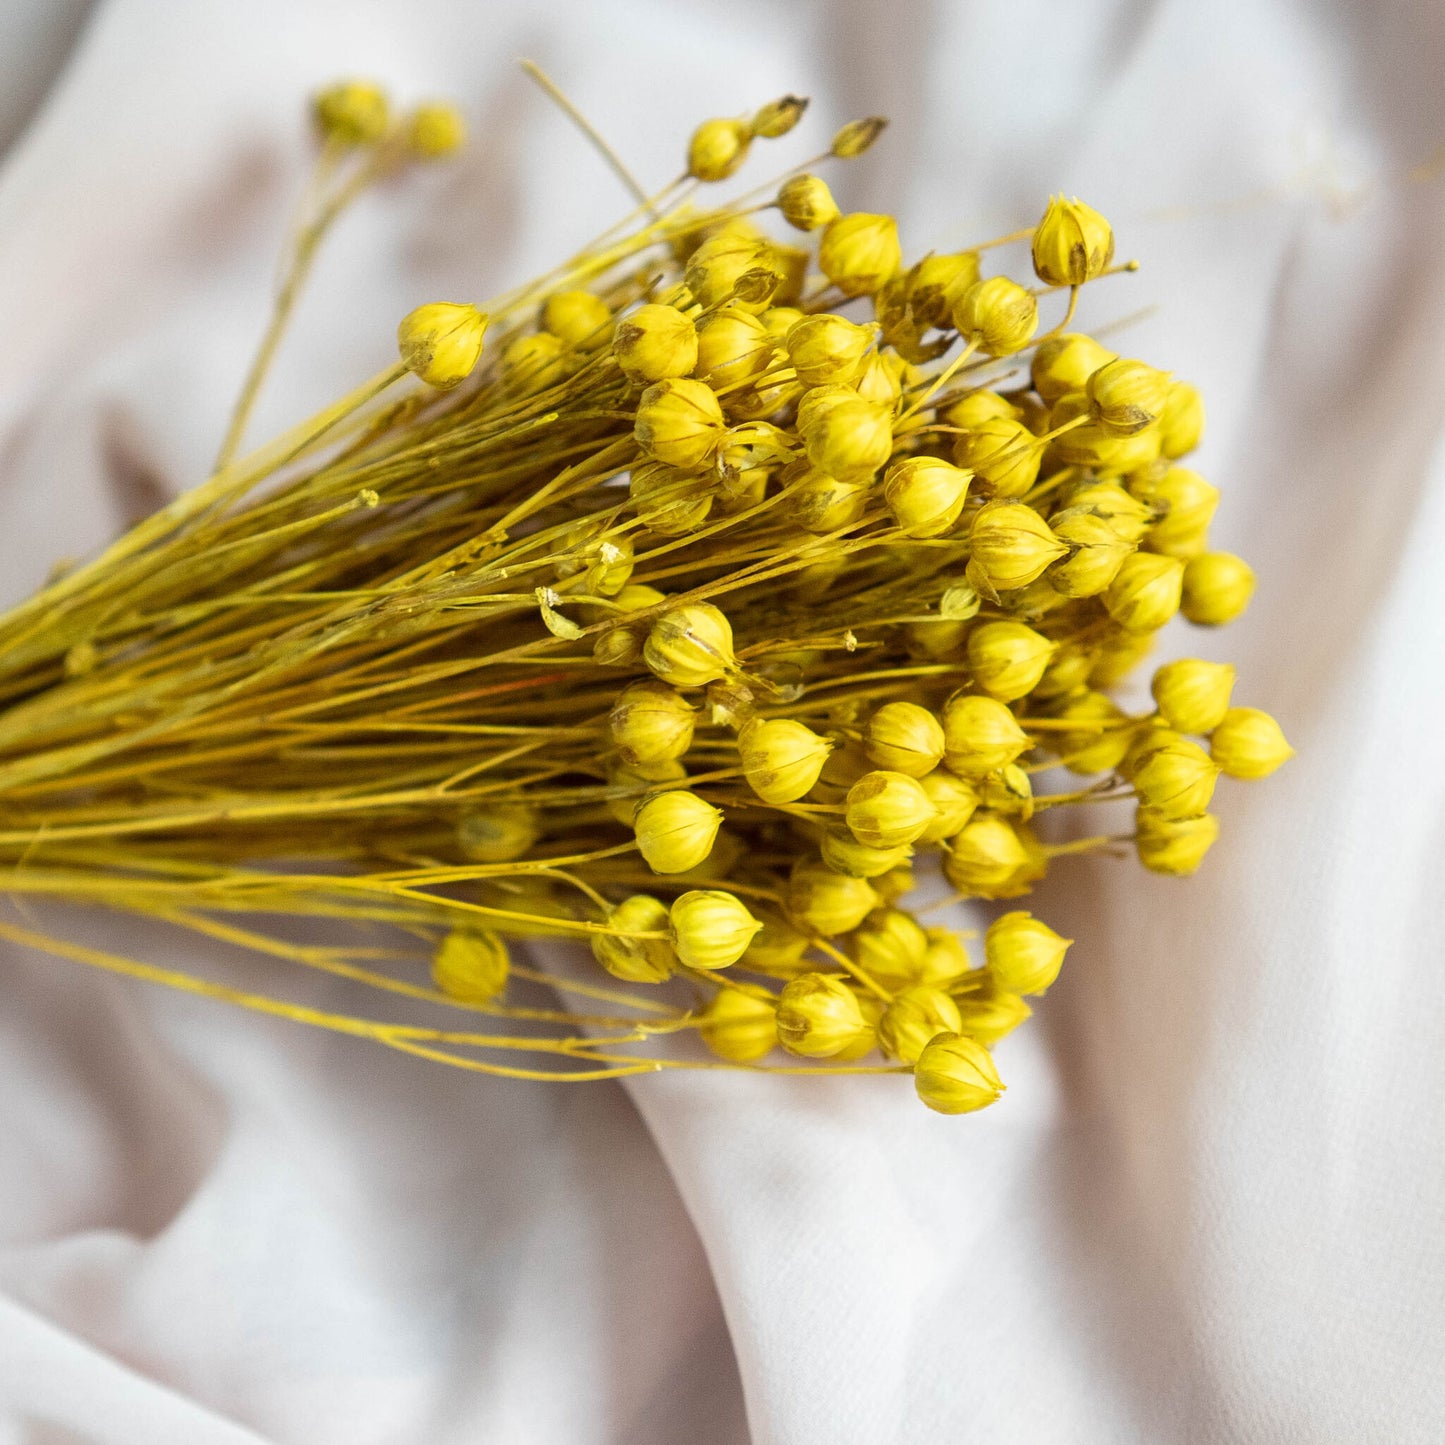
[1126,396]
[733,346]
[734,265]
[904,738]
[680,422]
[936,282]
[818,401]
[1249,744]
[605,558]
[879,379]
[886,809]
[914,1019]
[675,830]
[925,494]
[1008,791]
[859,252]
[576,318]
[1102,741]
[1193,695]
[845,765]
[822,504]
[980,735]
[690,646]
[471,965]
[1072,244]
[1145,592]
[1007,658]
[954,801]
[778,117]
[891,948]
[1107,499]
[1002,454]
[1217,588]
[717,149]
[655,343]
[435,131]
[777,948]
[1065,363]
[636,960]
[351,112]
[1175,846]
[974,408]
[1182,426]
[710,928]
[988,1017]
[1119,653]
[669,501]
[827,349]
[1148,737]
[498,834]
[650,723]
[1175,778]
[1097,552]
[826,903]
[818,1017]
[1068,670]
[843,853]
[1188,503]
[896,883]
[987,858]
[534,363]
[1011,546]
[441,342]
[942,638]
[781,758]
[1092,445]
[626,787]
[956,1075]
[739,1027]
[807,203]
[998,316]
[946,960]
[857,136]
[865,1042]
[851,440]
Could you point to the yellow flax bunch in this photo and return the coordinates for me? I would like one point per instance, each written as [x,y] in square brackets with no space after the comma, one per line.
[693,606]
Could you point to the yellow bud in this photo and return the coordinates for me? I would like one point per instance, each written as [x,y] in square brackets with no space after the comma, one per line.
[905,738]
[733,346]
[1101,744]
[352,112]
[1174,845]
[1068,668]
[980,735]
[843,853]
[1187,503]
[1217,588]
[576,318]
[879,379]
[822,504]
[807,203]
[936,282]
[1119,653]
[655,343]
[1127,515]
[436,130]
[777,947]
[974,408]
[1011,546]
[1024,955]
[1126,396]
[733,266]
[887,810]
[855,137]
[1175,778]
[819,1017]
[827,349]
[954,802]
[1098,552]
[717,149]
[1065,363]
[1002,454]
[1093,445]
[818,401]
[828,903]
[534,363]
[956,1075]
[925,494]
[637,960]
[945,960]
[669,501]
[1145,591]
[680,422]
[850,440]
[891,949]
[998,316]
[1007,658]
[1249,744]
[859,252]
[441,342]
[1008,791]
[778,117]
[675,830]
[781,758]
[499,834]
[1193,695]
[471,965]
[626,786]
[989,1016]
[987,858]
[650,723]
[1072,244]
[711,929]
[1182,425]
[738,1026]
[914,1019]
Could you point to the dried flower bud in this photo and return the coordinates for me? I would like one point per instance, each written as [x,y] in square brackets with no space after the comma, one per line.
[1187,503]
[1173,845]
[945,960]
[1182,426]
[778,117]
[980,735]
[807,203]
[1217,588]
[1193,695]
[989,1015]
[777,947]
[880,379]
[1093,445]
[435,131]
[441,342]
[717,149]
[576,318]
[925,494]
[650,723]
[913,1019]
[733,346]
[936,282]
[1065,363]
[1119,653]
[734,265]
[352,112]
[1003,455]
[986,858]
[828,903]
[690,646]
[859,252]
[886,810]
[954,801]
[1011,546]
[781,758]
[675,830]
[1127,515]
[1126,396]
[471,965]
[1008,791]
[1145,591]
[669,501]
[636,960]
[998,316]
[974,408]
[710,928]
[1072,244]
[819,1017]
[1175,778]
[827,349]
[891,948]
[843,853]
[739,1027]
[534,363]
[855,137]
[498,834]
[1008,658]
[822,504]
[655,343]
[1024,955]
[905,738]
[680,422]
[1249,744]
[850,440]
[1098,553]
[956,1075]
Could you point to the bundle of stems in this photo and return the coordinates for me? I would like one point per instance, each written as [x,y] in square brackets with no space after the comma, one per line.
[684,604]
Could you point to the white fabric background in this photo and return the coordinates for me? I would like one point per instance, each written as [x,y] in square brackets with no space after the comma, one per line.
[1209,1208]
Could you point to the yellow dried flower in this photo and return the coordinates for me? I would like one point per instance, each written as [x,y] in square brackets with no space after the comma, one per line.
[850,440]
[1193,695]
[988,1016]
[777,947]
[843,853]
[1009,791]
[956,1075]
[1182,425]
[905,738]
[880,378]
[680,422]
[1072,244]
[913,1019]
[577,318]
[717,149]
[1175,846]
[710,928]
[471,965]
[986,859]
[1249,744]
[626,787]
[436,130]
[651,723]
[807,203]
[441,342]
[1187,502]
[636,960]
[925,494]
[1065,363]
[887,810]
[1011,546]
[778,117]
[945,960]
[891,948]
[1126,396]
[534,363]
[954,802]
[1024,954]
[690,646]
[859,252]
[1099,746]
[669,501]
[675,830]
[1174,778]
[818,1017]
[499,833]
[828,903]
[1002,454]
[781,758]
[1007,658]
[739,1027]
[1217,588]
[856,137]
[1145,591]
[352,112]
[734,266]
[827,349]
[980,735]
[936,283]
[1098,553]
[997,315]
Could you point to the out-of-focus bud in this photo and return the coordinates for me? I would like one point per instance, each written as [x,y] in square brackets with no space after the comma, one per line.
[471,965]
[913,1019]
[1008,658]
[717,149]
[828,903]
[1173,845]
[498,834]
[739,1027]
[1182,425]
[352,112]
[1249,744]
[1217,588]
[855,137]
[778,117]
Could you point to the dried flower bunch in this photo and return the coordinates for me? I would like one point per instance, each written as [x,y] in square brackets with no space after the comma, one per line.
[684,603]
